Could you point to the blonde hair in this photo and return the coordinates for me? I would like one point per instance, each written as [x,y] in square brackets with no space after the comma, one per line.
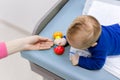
[87,28]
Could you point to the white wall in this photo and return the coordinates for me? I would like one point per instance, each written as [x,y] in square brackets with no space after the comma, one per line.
[24,13]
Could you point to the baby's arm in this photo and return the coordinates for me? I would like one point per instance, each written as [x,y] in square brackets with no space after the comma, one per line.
[76,53]
[72,52]
[95,62]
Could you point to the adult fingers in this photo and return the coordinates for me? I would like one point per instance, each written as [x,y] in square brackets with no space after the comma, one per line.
[44,39]
[46,43]
[44,47]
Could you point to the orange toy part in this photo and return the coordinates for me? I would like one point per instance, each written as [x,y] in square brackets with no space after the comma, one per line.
[56,34]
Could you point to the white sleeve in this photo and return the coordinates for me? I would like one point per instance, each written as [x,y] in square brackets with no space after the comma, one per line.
[119,23]
[84,53]
[72,52]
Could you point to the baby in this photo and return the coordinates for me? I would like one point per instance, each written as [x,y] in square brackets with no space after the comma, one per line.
[86,33]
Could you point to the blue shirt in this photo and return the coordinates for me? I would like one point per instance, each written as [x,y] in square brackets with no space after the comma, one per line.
[107,44]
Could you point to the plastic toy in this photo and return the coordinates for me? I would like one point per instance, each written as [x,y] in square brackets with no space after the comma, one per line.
[61,41]
[57,35]
[59,50]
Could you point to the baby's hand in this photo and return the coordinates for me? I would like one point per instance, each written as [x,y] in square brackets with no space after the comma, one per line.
[75,59]
[61,41]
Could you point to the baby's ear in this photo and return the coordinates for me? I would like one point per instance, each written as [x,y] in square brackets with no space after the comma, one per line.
[94,44]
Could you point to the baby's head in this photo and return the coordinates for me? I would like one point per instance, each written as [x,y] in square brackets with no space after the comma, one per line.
[83,32]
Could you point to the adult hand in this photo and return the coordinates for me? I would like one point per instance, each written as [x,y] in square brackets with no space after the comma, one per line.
[29,43]
[37,43]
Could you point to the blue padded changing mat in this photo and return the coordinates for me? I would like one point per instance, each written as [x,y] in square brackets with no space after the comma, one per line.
[60,65]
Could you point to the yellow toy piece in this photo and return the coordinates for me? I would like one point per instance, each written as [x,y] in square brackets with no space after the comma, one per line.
[57,35]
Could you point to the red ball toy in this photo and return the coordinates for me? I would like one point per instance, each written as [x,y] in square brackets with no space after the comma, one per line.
[59,50]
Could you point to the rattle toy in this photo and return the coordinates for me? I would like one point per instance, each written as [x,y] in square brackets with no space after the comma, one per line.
[59,50]
[57,35]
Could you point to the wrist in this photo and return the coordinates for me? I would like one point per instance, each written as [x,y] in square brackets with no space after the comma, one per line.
[15,46]
[23,44]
